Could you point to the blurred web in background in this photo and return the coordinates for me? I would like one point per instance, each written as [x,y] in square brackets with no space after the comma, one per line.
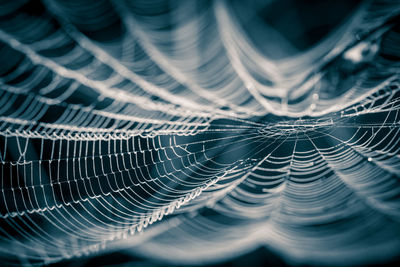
[194,131]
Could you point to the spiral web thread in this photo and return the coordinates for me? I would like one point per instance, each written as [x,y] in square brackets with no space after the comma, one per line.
[115,116]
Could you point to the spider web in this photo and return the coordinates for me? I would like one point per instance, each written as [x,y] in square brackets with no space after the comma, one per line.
[121,116]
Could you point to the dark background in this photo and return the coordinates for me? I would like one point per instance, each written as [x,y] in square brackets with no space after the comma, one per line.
[259,257]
